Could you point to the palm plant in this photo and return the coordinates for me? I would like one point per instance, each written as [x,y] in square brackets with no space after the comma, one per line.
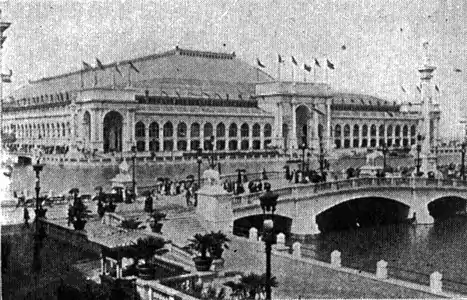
[219,242]
[250,286]
[201,243]
[145,248]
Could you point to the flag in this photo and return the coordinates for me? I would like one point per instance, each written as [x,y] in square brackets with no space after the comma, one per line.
[279,58]
[294,61]
[436,88]
[330,64]
[118,70]
[99,64]
[260,64]
[317,63]
[307,67]
[418,89]
[86,66]
[457,70]
[132,66]
[402,88]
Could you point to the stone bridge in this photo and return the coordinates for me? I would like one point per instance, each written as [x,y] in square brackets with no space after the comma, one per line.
[303,203]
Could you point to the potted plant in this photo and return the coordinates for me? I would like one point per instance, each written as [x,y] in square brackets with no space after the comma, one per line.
[155,221]
[145,248]
[201,243]
[219,243]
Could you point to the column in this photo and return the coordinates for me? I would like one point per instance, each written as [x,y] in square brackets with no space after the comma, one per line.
[201,135]
[188,136]
[146,136]
[161,137]
[315,131]
[250,135]
[328,128]
[261,137]
[280,133]
[174,135]
[360,135]
[293,136]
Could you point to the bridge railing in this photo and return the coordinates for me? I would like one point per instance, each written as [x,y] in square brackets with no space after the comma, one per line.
[347,184]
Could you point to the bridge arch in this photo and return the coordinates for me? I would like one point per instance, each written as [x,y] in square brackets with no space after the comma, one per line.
[447,206]
[362,212]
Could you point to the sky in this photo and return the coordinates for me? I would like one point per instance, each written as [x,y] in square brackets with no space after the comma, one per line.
[383,40]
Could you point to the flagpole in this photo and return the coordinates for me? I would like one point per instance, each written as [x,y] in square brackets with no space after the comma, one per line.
[314,73]
[129,76]
[279,71]
[113,77]
[293,77]
[81,77]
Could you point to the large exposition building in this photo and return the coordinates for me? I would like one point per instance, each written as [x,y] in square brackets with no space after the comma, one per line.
[173,102]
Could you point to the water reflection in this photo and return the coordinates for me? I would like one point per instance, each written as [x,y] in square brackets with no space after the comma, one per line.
[412,251]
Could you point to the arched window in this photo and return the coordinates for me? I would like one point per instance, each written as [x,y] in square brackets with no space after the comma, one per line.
[220,130]
[207,131]
[389,136]
[373,130]
[154,130]
[58,130]
[356,141]
[181,130]
[52,129]
[140,130]
[337,136]
[413,130]
[267,130]
[398,131]
[244,130]
[168,130]
[195,130]
[67,96]
[405,131]
[233,130]
[413,133]
[381,130]
[63,129]
[256,130]
[347,130]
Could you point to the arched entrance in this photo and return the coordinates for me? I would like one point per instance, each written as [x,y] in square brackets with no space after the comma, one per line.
[87,127]
[113,132]
[302,116]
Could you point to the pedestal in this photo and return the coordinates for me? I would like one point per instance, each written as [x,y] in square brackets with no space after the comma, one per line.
[429,164]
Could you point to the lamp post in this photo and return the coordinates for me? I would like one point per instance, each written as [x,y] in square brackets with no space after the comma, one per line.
[385,150]
[268,202]
[463,160]
[39,233]
[211,146]
[133,180]
[199,159]
[419,149]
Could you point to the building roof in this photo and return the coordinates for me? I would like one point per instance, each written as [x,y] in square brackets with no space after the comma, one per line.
[178,69]
[350,101]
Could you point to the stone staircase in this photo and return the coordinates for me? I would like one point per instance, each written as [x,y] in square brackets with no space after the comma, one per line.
[179,227]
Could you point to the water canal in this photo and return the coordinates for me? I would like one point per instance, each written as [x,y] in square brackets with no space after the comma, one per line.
[412,251]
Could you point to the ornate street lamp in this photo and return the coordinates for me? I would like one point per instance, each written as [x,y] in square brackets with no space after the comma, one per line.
[39,234]
[385,150]
[211,147]
[268,202]
[199,159]
[133,158]
[463,146]
[419,149]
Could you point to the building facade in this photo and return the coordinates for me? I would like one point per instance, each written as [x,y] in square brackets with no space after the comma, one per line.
[175,102]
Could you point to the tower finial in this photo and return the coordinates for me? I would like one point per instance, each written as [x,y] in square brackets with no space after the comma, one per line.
[426,52]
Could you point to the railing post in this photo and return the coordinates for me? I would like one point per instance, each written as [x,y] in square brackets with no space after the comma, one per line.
[382,269]
[436,285]
[253,234]
[336,259]
[297,250]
